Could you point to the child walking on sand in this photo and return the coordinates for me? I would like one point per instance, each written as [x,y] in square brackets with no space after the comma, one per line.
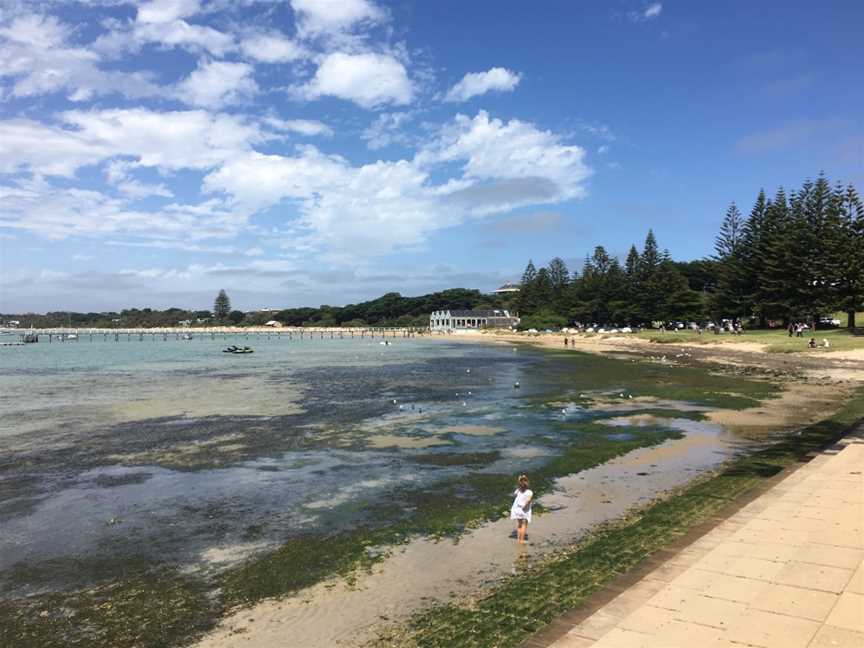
[521,509]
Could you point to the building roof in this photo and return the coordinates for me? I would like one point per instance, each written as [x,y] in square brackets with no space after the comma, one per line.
[508,287]
[479,313]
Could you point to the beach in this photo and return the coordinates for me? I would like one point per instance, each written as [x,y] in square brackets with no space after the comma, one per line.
[398,461]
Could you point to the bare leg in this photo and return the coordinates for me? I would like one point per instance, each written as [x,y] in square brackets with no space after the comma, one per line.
[520,531]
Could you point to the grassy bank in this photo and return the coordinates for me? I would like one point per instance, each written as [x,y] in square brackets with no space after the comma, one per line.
[777,341]
[524,604]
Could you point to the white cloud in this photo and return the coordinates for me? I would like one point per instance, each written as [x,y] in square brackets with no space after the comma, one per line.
[351,211]
[57,213]
[192,139]
[35,52]
[166,11]
[119,174]
[271,47]
[308,127]
[216,83]
[493,149]
[180,33]
[477,83]
[386,130]
[648,13]
[653,10]
[367,79]
[320,17]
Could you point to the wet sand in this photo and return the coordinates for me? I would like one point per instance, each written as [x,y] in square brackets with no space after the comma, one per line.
[336,613]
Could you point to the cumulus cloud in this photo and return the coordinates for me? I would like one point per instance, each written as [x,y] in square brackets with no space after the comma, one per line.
[308,127]
[180,33]
[191,139]
[120,174]
[60,212]
[493,149]
[216,83]
[473,84]
[367,79]
[386,130]
[271,47]
[341,208]
[322,17]
[166,11]
[35,52]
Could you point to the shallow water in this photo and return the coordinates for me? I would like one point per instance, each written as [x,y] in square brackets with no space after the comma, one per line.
[173,451]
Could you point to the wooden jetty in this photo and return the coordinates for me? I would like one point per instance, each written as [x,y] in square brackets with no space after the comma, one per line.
[261,334]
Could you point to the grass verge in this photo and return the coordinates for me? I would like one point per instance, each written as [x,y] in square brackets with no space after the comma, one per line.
[776,341]
[524,604]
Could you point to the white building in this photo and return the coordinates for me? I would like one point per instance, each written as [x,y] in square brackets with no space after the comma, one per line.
[507,289]
[447,320]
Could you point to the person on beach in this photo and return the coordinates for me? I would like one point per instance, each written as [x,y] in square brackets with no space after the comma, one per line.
[521,509]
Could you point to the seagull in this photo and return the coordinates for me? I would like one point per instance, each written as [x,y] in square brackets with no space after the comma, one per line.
[467,371]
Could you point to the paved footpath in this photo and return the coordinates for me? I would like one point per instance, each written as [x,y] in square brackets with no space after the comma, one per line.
[786,571]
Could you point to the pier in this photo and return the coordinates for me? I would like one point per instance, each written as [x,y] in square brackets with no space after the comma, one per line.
[260,334]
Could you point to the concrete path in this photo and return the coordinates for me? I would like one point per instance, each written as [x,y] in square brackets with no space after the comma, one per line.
[786,571]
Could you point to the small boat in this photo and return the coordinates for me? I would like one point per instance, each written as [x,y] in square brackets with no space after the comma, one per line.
[238,350]
[186,336]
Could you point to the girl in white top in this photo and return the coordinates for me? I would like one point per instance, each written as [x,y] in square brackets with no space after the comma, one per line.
[521,509]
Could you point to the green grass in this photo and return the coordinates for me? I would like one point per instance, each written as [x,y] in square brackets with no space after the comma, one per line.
[777,341]
[526,603]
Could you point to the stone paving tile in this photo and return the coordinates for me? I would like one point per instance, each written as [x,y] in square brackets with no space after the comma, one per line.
[694,579]
[848,613]
[679,634]
[832,637]
[856,583]
[670,597]
[769,630]
[708,611]
[818,577]
[844,557]
[794,601]
[596,625]
[839,538]
[647,619]
[756,568]
[620,638]
[574,641]
[734,588]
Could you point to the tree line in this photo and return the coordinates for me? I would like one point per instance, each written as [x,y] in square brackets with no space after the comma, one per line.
[792,258]
[391,309]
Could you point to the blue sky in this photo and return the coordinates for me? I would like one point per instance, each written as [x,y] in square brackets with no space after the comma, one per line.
[302,152]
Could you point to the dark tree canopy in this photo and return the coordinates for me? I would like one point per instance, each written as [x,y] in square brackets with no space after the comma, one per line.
[221,305]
